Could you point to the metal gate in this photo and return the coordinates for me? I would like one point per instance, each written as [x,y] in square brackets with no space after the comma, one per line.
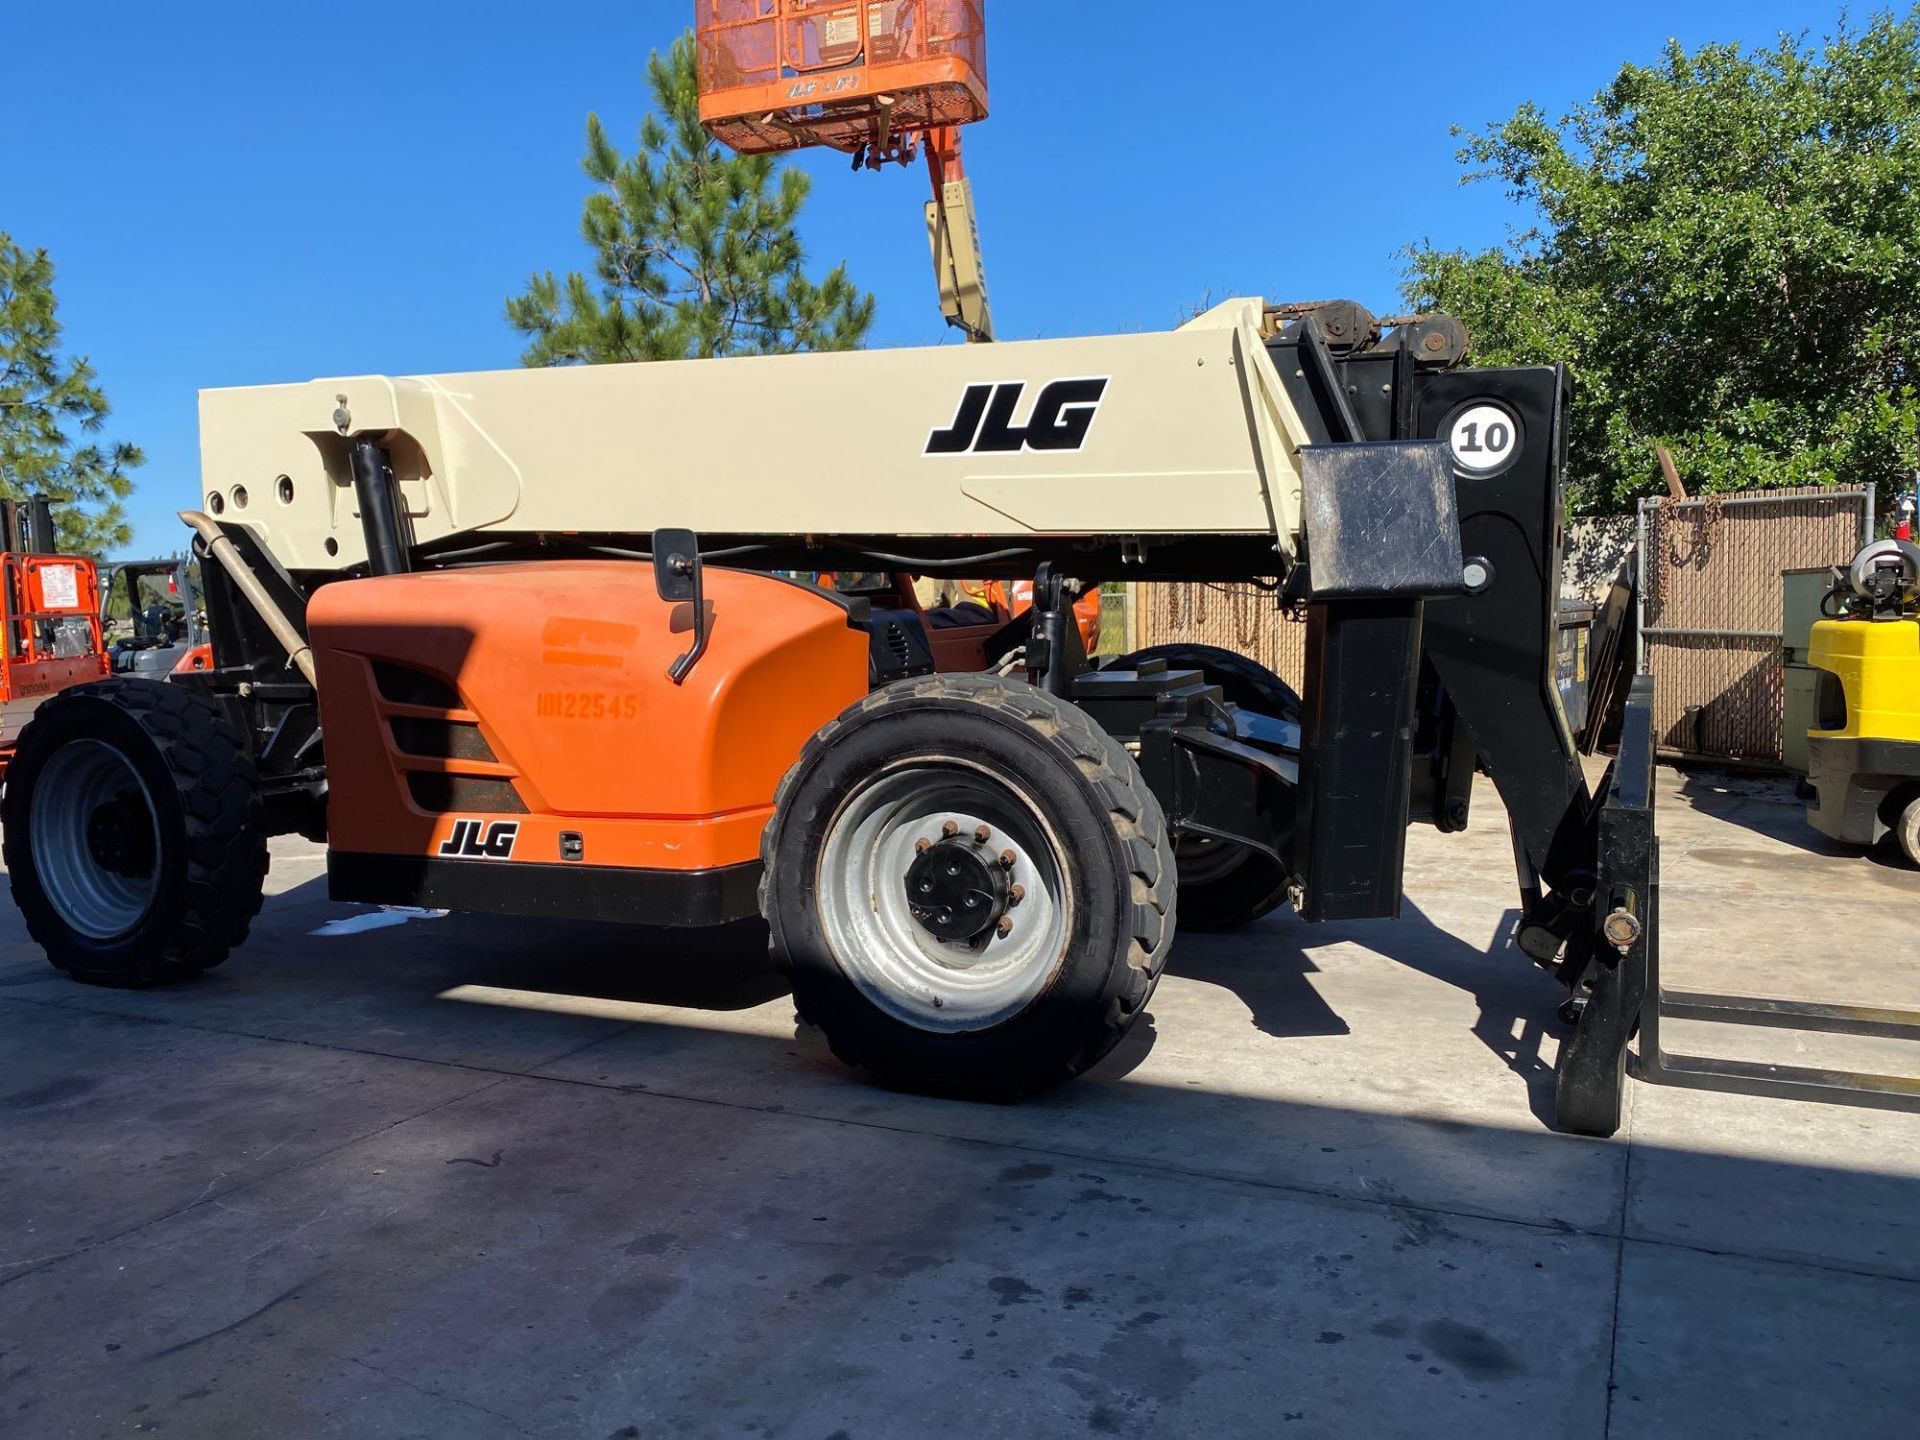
[1710,607]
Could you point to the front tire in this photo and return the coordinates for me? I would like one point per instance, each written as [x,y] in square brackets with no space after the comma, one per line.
[134,835]
[969,886]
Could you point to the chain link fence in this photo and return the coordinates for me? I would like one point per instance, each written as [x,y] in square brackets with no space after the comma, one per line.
[1241,618]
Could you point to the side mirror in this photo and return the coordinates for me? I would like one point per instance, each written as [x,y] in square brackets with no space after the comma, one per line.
[676,564]
[676,577]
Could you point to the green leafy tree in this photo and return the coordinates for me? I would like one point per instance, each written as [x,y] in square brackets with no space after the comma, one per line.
[44,400]
[1727,250]
[695,251]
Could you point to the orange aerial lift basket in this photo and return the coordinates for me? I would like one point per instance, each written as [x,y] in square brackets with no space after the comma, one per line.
[867,77]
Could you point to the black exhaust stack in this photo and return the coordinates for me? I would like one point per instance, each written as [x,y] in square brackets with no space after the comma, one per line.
[383,519]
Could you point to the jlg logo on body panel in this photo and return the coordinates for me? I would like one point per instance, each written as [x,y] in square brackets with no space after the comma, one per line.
[985,424]
[477,840]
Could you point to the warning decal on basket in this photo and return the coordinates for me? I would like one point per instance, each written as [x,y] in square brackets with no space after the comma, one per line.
[60,587]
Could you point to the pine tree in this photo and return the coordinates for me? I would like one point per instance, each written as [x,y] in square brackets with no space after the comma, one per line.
[43,398]
[696,253]
[1727,248]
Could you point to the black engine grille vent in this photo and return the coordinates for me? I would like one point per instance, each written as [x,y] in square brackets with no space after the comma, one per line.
[440,739]
[468,794]
[403,685]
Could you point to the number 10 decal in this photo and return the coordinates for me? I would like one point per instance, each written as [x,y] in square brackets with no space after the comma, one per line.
[1485,438]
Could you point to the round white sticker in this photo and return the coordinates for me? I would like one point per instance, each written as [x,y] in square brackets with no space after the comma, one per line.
[1484,438]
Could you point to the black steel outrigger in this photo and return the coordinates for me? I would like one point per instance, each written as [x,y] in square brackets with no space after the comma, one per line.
[1468,669]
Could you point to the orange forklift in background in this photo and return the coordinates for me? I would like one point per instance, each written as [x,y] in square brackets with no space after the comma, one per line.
[51,616]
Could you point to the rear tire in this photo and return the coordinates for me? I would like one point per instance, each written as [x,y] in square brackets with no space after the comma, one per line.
[135,838]
[1225,887]
[1246,683]
[1000,1014]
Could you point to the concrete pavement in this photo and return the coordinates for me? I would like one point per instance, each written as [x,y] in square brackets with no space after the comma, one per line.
[475,1177]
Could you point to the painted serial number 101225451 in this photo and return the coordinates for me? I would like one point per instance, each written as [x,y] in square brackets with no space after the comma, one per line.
[586,705]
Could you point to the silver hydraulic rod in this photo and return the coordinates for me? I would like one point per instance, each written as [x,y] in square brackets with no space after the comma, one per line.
[235,564]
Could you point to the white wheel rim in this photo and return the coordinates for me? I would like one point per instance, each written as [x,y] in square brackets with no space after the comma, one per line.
[88,803]
[898,965]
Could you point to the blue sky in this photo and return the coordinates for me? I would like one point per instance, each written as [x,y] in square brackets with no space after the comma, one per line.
[246,193]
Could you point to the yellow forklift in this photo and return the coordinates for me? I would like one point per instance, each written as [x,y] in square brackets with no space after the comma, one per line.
[1864,754]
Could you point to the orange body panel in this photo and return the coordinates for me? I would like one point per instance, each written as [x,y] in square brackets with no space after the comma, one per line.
[562,669]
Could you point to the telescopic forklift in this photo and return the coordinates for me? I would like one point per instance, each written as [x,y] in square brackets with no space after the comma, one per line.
[528,642]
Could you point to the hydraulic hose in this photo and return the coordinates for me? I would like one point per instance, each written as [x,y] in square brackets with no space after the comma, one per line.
[235,564]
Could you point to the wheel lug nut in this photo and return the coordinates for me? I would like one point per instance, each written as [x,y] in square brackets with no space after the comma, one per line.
[1008,859]
[1016,894]
[950,829]
[982,835]
[922,845]
[1005,926]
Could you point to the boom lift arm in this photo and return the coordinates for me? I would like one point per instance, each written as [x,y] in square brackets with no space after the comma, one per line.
[953,230]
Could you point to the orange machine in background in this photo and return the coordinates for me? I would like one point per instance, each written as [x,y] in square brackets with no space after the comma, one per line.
[859,76]
[1018,598]
[885,81]
[961,616]
[50,610]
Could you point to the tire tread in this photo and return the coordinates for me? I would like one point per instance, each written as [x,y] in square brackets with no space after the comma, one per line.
[1134,814]
[225,820]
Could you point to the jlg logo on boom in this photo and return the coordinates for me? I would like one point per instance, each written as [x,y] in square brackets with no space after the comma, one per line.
[1062,419]
[477,840]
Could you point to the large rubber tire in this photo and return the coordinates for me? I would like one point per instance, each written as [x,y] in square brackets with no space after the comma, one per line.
[1101,830]
[1226,888]
[203,862]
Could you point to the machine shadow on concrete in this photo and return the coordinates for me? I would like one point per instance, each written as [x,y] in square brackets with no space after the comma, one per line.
[1267,969]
